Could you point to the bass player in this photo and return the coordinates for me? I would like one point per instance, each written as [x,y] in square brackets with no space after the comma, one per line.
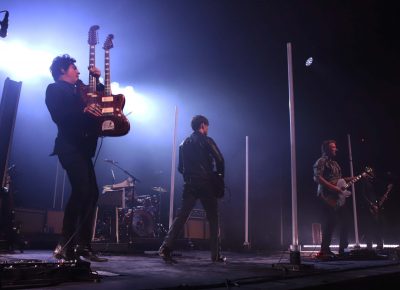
[372,204]
[200,162]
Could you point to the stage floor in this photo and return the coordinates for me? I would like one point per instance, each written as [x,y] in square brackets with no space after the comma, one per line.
[247,270]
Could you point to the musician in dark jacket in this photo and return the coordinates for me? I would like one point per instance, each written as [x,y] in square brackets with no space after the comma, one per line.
[375,190]
[202,166]
[75,145]
[327,172]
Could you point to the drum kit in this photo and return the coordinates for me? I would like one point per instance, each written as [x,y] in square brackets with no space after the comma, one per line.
[143,218]
[137,216]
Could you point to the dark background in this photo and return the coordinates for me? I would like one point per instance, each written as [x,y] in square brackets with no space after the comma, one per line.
[228,61]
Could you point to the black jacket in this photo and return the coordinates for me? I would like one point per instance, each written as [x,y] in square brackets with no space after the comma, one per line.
[199,157]
[75,128]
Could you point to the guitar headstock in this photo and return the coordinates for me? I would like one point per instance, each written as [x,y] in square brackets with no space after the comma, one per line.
[108,44]
[93,39]
[368,170]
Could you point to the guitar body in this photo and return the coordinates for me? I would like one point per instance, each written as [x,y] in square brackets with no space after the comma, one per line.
[113,122]
[374,210]
[342,184]
[376,207]
[337,200]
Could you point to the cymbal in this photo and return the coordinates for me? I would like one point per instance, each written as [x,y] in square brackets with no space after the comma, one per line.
[159,189]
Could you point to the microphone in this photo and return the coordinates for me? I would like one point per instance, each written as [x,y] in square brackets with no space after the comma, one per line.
[4,24]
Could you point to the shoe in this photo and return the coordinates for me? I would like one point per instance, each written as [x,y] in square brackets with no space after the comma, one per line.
[64,253]
[87,253]
[324,254]
[166,253]
[219,259]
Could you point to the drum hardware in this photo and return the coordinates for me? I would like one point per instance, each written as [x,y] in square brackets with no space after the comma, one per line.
[160,231]
[143,200]
[158,189]
[142,220]
[137,217]
[115,163]
[105,228]
[110,192]
[128,184]
[143,223]
[135,222]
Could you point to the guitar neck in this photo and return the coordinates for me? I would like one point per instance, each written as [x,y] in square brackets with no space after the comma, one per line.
[351,182]
[107,82]
[385,196]
[92,63]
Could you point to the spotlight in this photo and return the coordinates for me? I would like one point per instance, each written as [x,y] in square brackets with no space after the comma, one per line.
[309,61]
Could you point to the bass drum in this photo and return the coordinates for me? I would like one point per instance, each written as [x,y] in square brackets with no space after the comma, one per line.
[142,223]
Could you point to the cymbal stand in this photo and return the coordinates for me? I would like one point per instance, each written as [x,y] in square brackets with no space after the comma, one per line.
[160,231]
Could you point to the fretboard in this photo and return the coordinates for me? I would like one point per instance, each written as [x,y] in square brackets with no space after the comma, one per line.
[92,63]
[107,84]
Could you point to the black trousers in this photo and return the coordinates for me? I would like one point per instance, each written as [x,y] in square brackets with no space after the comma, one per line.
[372,227]
[192,191]
[81,207]
[332,219]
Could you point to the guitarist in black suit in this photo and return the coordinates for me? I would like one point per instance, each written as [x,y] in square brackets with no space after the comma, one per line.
[327,172]
[202,166]
[75,145]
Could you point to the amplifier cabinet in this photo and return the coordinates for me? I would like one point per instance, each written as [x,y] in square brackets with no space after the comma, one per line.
[197,226]
[55,221]
[31,220]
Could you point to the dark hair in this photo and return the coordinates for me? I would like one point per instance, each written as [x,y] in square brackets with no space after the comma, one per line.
[325,146]
[197,121]
[59,63]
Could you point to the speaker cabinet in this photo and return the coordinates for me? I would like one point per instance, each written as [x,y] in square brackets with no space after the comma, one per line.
[54,221]
[197,226]
[31,220]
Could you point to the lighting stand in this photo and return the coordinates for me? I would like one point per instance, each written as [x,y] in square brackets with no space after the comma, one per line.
[294,262]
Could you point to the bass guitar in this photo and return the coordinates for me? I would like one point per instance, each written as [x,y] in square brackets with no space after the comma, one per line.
[337,200]
[376,207]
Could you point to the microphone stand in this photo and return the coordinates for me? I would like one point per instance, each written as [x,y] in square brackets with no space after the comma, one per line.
[134,179]
[125,171]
